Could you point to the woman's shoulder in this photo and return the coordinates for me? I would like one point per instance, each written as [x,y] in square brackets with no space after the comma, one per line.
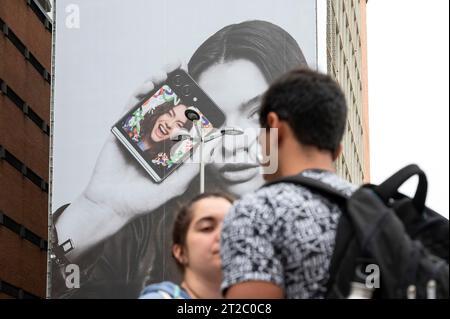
[164,290]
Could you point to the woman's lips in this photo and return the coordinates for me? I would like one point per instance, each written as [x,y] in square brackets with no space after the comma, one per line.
[239,173]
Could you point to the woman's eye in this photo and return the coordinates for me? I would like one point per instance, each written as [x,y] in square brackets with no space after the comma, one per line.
[253,117]
[207,229]
[253,114]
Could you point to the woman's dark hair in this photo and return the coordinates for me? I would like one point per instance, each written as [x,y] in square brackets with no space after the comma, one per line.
[184,218]
[149,122]
[269,47]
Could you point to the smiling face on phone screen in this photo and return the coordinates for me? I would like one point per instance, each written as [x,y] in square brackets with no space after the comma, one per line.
[167,123]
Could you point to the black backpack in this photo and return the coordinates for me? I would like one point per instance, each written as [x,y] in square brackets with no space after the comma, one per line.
[383,232]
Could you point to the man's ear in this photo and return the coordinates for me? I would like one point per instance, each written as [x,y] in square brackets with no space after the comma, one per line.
[273,121]
[337,152]
[178,253]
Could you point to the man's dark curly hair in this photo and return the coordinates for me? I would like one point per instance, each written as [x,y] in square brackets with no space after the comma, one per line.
[312,104]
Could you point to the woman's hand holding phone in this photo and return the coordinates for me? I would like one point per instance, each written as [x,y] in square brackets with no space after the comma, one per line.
[120,189]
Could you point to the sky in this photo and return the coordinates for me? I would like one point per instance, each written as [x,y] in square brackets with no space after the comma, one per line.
[408,58]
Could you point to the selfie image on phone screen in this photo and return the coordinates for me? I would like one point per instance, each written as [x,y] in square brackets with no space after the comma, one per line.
[147,131]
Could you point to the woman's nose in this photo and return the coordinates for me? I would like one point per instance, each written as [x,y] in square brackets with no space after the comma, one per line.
[232,120]
[217,234]
[239,119]
[170,124]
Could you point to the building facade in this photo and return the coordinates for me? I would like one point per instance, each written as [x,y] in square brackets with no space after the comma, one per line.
[25,64]
[347,63]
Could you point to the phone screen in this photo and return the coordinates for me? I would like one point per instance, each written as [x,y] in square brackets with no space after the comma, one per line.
[151,126]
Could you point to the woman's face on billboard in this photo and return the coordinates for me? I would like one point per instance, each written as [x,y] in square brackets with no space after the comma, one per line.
[237,86]
[168,122]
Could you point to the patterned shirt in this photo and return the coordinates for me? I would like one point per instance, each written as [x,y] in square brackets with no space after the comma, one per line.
[284,234]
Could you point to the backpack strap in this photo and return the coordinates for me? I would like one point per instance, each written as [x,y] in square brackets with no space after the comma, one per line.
[166,290]
[166,295]
[313,184]
[389,188]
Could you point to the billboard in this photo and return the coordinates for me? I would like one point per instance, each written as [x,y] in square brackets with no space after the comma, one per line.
[111,220]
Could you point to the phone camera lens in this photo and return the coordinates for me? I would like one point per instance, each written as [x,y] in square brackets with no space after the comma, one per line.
[186,90]
[177,80]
